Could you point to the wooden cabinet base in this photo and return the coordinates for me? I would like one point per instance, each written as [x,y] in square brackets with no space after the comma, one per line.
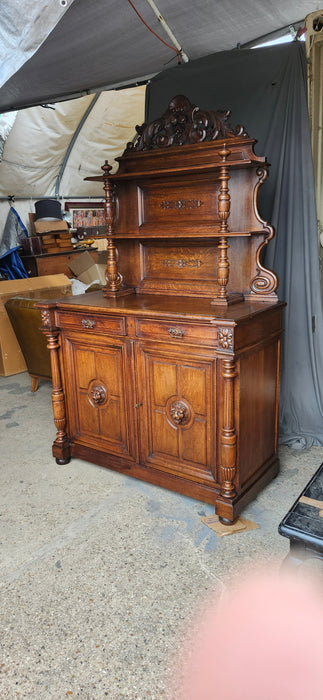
[186,402]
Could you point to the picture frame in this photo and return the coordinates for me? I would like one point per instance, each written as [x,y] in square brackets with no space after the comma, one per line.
[88,217]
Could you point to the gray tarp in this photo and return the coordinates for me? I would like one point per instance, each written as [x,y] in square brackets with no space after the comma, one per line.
[24,26]
[267,93]
[101,44]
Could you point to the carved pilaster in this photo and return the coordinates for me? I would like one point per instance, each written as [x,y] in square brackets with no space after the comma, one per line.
[228,438]
[61,445]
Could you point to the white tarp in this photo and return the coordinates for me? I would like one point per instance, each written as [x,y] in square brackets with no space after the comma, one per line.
[37,144]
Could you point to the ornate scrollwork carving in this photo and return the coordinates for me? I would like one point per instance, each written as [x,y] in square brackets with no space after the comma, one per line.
[184,123]
[180,204]
[181,262]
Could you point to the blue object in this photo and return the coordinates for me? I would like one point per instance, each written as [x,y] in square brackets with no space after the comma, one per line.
[14,231]
[11,266]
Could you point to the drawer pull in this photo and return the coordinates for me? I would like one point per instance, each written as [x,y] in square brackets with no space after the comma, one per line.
[86,323]
[176,332]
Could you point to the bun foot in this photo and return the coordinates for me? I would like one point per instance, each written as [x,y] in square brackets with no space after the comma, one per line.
[62,461]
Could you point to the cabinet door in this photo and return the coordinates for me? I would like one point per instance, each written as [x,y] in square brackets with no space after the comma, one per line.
[98,405]
[178,413]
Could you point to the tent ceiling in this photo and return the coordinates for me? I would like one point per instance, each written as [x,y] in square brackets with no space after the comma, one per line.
[102,44]
[38,143]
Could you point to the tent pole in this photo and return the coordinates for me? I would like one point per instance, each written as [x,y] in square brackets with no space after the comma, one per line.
[72,142]
[168,30]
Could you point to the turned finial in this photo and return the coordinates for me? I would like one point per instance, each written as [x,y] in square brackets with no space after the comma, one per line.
[106,169]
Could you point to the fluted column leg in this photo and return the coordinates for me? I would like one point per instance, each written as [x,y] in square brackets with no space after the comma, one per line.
[61,445]
[228,439]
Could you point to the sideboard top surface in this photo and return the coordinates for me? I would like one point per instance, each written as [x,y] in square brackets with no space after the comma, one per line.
[152,305]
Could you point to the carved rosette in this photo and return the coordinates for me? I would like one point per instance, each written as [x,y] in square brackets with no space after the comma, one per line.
[46,319]
[184,123]
[225,338]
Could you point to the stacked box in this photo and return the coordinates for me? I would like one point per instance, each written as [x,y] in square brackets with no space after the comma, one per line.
[55,236]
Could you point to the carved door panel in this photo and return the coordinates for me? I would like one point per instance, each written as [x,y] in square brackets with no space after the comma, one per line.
[178,413]
[98,405]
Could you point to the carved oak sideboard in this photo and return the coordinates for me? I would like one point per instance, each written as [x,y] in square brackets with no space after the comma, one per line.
[171,374]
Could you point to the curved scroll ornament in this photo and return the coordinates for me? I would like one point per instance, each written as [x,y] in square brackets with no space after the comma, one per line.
[184,123]
[265,281]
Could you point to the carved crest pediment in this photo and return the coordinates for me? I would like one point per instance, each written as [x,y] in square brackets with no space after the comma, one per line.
[184,123]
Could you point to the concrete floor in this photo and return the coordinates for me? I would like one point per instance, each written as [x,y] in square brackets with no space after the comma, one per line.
[99,572]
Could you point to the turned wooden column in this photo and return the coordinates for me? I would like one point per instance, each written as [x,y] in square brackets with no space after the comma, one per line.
[228,436]
[224,201]
[115,286]
[61,445]
[113,276]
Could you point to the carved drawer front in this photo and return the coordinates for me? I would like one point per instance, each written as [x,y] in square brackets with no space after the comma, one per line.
[178,428]
[99,401]
[92,322]
[172,330]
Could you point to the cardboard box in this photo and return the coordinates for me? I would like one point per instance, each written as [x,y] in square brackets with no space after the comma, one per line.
[86,270]
[50,226]
[46,287]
